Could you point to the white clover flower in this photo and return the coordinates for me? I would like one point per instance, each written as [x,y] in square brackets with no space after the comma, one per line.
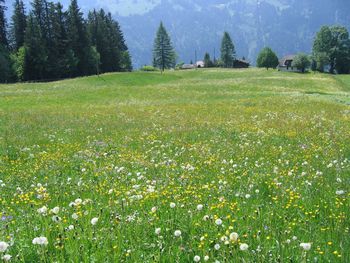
[75,216]
[56,219]
[294,238]
[197,258]
[3,246]
[42,241]
[234,237]
[157,231]
[288,241]
[218,222]
[199,207]
[305,246]
[206,258]
[217,246]
[6,257]
[172,205]
[94,221]
[247,196]
[243,247]
[78,201]
[177,233]
[340,192]
[154,209]
[42,210]
[55,210]
[70,227]
[206,218]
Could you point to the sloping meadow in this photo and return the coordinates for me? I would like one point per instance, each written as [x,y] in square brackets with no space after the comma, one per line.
[206,165]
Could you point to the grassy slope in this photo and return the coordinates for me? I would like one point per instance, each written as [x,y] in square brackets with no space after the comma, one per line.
[194,117]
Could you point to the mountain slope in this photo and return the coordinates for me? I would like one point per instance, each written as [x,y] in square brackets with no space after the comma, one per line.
[288,26]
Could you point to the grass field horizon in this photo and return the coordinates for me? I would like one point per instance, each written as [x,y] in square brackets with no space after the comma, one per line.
[209,165]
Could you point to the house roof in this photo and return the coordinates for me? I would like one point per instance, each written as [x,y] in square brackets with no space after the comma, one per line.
[286,58]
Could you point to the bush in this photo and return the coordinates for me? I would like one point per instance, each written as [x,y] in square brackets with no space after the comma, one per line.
[148,68]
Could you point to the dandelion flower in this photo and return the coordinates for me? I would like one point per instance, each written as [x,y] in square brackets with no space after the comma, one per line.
[177,233]
[217,246]
[206,258]
[172,205]
[42,241]
[55,210]
[197,258]
[340,192]
[243,247]
[154,209]
[234,236]
[42,210]
[6,257]
[94,221]
[199,207]
[218,222]
[157,231]
[305,246]
[3,246]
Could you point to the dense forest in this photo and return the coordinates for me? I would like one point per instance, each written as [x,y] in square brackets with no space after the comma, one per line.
[49,42]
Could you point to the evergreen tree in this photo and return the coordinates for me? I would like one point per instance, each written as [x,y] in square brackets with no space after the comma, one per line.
[79,40]
[5,65]
[19,24]
[207,61]
[267,59]
[228,53]
[163,52]
[3,35]
[35,52]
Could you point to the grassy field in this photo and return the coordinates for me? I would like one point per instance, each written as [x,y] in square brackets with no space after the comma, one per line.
[216,165]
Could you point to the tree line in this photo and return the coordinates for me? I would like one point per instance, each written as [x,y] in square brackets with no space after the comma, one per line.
[49,42]
[331,51]
[331,48]
[164,55]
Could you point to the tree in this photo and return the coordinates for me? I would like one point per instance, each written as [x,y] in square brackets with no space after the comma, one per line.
[164,56]
[332,46]
[20,64]
[207,61]
[3,36]
[5,65]
[18,25]
[313,65]
[228,53]
[267,59]
[301,61]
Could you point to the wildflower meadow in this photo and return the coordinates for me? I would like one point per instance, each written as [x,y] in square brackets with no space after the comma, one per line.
[196,166]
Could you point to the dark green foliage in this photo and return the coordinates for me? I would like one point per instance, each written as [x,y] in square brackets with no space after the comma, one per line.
[164,56]
[3,36]
[5,65]
[228,53]
[207,61]
[267,59]
[19,23]
[313,64]
[301,62]
[332,47]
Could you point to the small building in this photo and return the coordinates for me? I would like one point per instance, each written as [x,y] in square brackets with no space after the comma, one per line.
[188,66]
[286,64]
[200,64]
[241,63]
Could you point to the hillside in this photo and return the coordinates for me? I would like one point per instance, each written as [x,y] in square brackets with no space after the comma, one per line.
[141,167]
[287,26]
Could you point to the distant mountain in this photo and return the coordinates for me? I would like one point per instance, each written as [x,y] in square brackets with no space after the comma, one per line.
[288,26]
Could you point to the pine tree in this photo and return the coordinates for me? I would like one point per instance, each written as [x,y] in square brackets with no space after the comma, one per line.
[267,59]
[228,53]
[79,40]
[19,24]
[3,35]
[207,61]
[163,52]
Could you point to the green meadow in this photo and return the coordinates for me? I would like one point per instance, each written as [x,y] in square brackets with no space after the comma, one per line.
[207,165]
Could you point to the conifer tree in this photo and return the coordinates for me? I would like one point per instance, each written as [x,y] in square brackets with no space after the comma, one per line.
[3,35]
[228,53]
[163,52]
[18,25]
